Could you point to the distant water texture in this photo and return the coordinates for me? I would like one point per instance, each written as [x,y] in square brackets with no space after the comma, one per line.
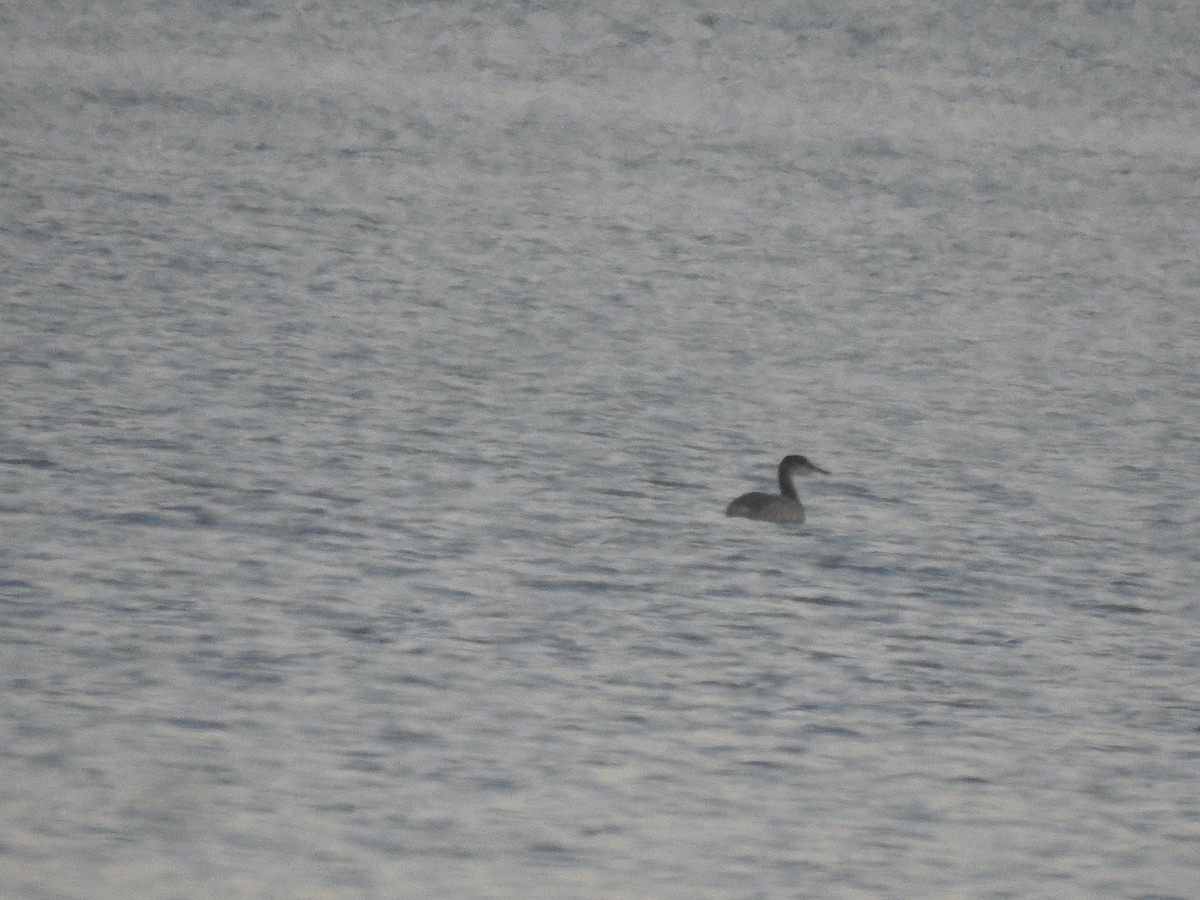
[373,379]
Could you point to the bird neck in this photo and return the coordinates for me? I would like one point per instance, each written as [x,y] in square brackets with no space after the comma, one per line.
[785,483]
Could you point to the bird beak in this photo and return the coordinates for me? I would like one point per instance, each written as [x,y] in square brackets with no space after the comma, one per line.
[818,469]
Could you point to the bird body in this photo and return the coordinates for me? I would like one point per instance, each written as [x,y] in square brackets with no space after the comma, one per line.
[782,507]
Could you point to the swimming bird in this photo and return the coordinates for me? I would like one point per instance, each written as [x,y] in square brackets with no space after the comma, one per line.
[782,507]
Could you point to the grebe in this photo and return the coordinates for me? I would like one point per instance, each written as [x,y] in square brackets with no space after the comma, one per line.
[782,507]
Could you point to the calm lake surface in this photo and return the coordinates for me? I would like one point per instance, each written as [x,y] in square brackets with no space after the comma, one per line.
[374,376]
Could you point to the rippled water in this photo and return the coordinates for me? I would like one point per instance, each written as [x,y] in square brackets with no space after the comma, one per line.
[373,379]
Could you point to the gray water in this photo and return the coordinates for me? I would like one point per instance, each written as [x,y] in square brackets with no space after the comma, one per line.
[373,378]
